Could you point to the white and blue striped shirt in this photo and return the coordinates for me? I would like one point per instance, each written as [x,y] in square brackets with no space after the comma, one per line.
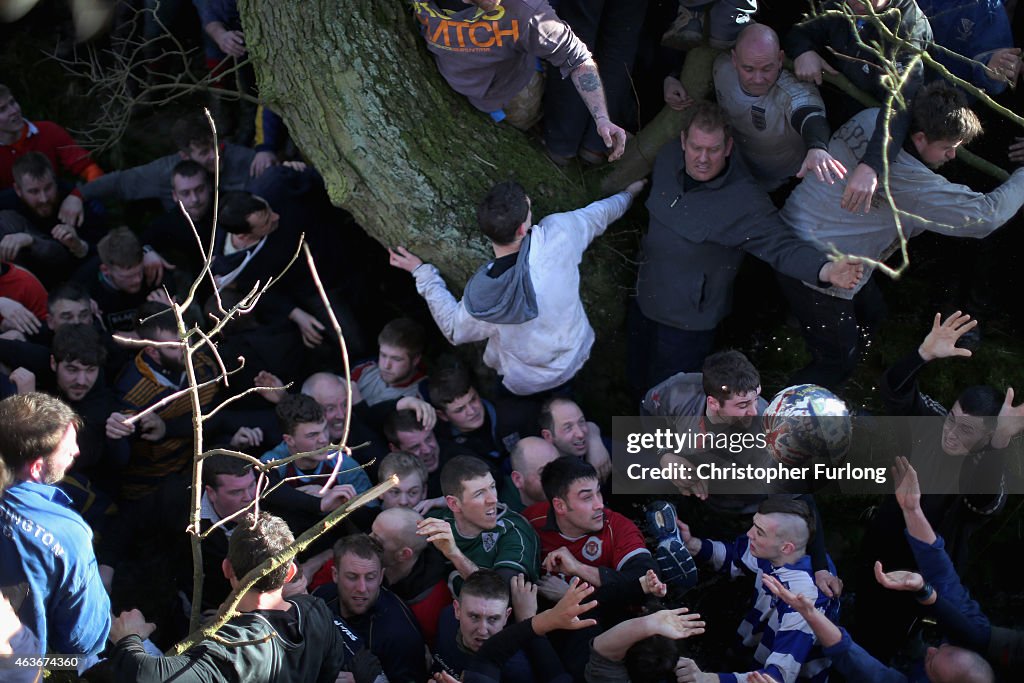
[783,643]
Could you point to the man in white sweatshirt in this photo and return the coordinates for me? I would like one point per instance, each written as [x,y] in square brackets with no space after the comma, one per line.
[526,302]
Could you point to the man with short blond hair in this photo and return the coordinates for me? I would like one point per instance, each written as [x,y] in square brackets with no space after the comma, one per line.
[377,616]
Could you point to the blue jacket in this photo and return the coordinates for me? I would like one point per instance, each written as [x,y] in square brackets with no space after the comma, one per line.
[973,29]
[857,664]
[388,630]
[48,547]
[350,473]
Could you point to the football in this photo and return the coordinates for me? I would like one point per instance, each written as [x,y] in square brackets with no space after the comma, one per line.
[807,423]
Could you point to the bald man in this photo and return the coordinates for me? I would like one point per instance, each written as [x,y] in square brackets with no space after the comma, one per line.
[330,391]
[563,424]
[778,122]
[776,545]
[415,570]
[528,457]
[395,530]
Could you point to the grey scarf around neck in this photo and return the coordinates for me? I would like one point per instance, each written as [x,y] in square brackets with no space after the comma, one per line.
[508,299]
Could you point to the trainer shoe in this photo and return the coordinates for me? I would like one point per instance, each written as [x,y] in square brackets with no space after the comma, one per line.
[677,566]
[686,30]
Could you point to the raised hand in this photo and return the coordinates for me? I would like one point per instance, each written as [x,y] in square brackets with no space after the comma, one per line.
[400,257]
[565,615]
[524,598]
[692,543]
[438,532]
[425,413]
[270,386]
[1010,422]
[908,489]
[941,340]
[652,585]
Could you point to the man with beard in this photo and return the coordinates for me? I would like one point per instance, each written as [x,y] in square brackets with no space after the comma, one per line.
[19,136]
[32,235]
[44,546]
[377,616]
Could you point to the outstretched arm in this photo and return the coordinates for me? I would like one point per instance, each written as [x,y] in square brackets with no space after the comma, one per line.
[671,623]
[450,315]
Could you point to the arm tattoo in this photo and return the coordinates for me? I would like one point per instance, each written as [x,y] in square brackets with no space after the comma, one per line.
[589,81]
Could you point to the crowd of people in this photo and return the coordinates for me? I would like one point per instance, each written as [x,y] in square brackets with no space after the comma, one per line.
[492,548]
